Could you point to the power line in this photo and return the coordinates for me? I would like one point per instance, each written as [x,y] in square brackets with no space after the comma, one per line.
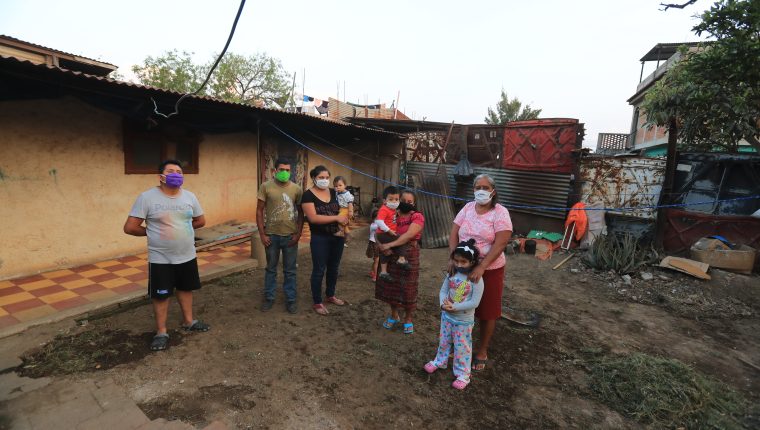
[546,208]
[210,72]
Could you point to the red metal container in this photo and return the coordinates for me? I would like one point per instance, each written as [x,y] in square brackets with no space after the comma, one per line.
[542,145]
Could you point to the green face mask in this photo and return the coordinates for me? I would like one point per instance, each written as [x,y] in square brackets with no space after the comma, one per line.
[282,176]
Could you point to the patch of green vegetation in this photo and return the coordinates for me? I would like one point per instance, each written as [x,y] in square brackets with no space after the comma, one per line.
[622,253]
[5,422]
[664,393]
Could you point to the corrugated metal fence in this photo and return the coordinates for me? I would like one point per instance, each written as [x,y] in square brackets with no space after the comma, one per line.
[515,187]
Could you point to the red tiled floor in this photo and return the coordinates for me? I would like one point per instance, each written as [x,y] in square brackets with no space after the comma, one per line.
[7,321]
[39,296]
[128,259]
[22,306]
[29,280]
[117,267]
[47,290]
[68,278]
[210,258]
[70,303]
[128,288]
[10,290]
[104,277]
[85,268]
[94,288]
[137,276]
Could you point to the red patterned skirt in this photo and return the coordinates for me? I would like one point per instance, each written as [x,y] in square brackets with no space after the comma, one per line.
[402,291]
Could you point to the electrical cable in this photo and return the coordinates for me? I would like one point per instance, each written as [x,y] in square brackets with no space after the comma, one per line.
[356,154]
[210,72]
[508,206]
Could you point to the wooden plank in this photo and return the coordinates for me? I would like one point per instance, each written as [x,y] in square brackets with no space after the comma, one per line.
[690,267]
[218,242]
[563,262]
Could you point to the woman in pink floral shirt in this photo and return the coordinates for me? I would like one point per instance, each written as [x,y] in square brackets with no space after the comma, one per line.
[488,222]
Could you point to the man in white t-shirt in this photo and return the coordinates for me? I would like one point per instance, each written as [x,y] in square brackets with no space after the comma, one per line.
[171,214]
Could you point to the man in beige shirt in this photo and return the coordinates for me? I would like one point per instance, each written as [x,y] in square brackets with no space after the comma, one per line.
[279,218]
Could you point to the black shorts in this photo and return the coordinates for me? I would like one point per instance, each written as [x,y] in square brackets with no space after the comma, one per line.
[164,278]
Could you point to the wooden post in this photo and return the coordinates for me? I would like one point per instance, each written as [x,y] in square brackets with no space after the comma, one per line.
[667,185]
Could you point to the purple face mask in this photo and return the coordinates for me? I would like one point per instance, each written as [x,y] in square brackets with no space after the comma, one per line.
[174,180]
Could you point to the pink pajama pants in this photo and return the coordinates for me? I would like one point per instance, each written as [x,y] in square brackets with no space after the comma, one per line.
[460,337]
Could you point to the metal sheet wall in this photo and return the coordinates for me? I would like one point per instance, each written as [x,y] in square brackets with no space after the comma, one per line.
[438,211]
[623,182]
[515,187]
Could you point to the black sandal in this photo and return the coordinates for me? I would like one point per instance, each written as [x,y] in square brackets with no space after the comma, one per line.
[196,325]
[476,362]
[160,342]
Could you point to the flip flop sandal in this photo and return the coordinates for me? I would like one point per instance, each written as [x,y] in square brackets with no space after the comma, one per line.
[408,328]
[196,325]
[389,323]
[160,342]
[386,277]
[478,362]
[336,301]
[320,309]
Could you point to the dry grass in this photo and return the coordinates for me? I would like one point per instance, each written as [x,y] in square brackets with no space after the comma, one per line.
[88,351]
[665,393]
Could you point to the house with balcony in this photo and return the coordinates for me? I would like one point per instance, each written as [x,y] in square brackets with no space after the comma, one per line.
[652,141]
[644,139]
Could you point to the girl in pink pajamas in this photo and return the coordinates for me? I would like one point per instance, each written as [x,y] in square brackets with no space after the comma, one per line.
[459,297]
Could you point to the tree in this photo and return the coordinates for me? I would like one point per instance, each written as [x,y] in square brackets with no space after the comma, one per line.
[174,71]
[237,78]
[510,110]
[714,91]
[246,79]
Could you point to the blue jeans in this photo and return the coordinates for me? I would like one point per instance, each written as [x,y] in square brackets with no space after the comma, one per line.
[326,251]
[288,267]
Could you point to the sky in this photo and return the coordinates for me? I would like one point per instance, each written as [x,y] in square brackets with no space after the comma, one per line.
[447,60]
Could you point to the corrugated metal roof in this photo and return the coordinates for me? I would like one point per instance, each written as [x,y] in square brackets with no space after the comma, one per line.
[663,51]
[12,61]
[3,36]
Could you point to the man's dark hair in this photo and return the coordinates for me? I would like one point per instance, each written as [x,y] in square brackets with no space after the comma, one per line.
[390,190]
[162,166]
[282,160]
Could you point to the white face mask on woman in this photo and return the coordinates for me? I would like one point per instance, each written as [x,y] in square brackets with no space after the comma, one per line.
[322,184]
[483,197]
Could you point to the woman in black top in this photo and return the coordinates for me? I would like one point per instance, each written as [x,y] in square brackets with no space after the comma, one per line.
[320,205]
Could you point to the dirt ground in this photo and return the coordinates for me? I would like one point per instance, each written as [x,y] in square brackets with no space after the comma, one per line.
[281,371]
